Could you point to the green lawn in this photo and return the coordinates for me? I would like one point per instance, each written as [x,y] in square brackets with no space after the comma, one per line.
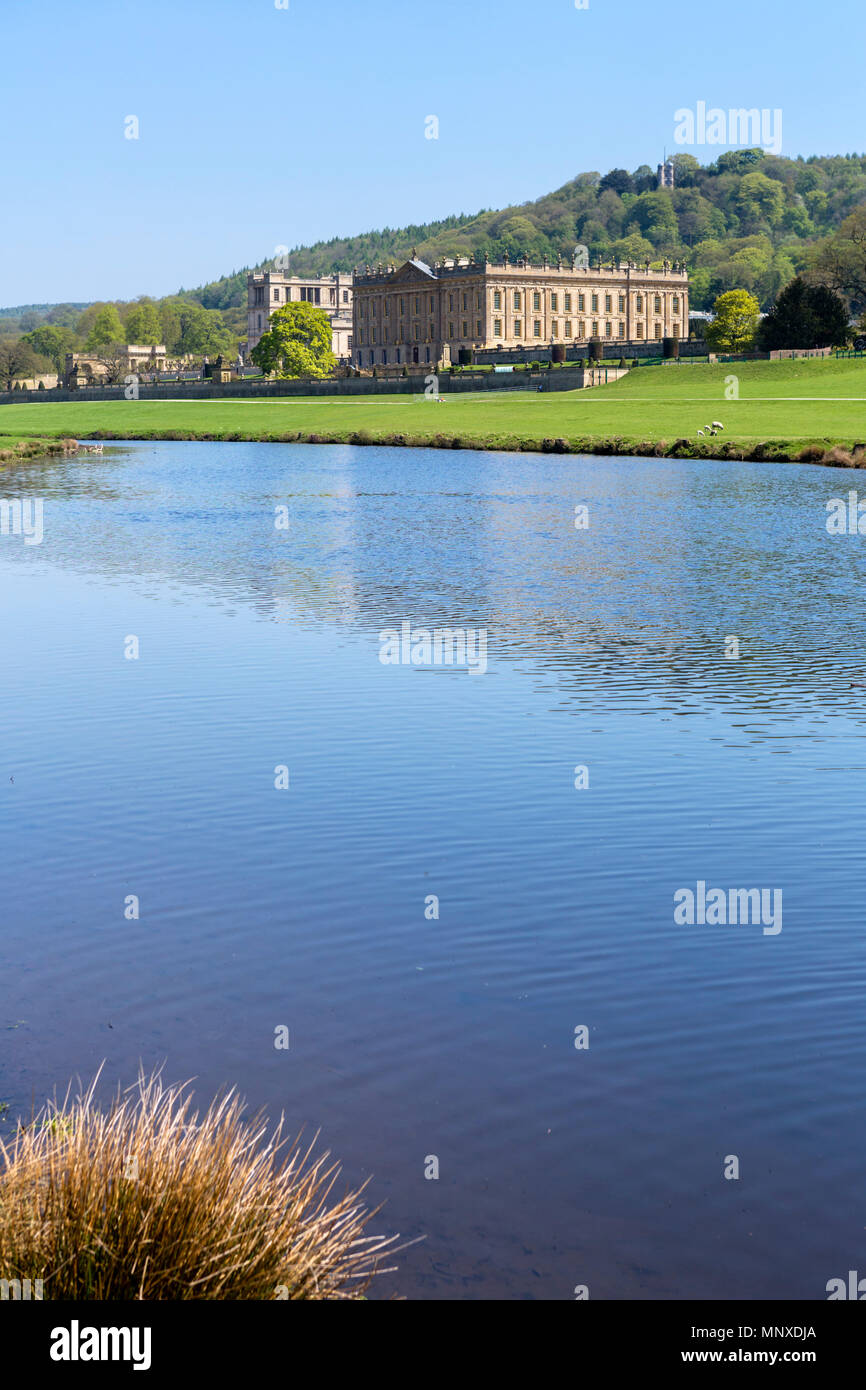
[785,405]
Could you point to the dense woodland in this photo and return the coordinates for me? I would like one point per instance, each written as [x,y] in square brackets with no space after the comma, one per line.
[749,221]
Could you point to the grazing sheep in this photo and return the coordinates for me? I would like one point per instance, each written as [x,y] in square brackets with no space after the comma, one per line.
[717,425]
[701,433]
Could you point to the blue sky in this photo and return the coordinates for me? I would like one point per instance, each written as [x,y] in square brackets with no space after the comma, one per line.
[261,127]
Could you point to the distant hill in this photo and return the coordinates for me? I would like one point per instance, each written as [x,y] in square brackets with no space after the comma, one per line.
[42,309]
[746,221]
[21,318]
[749,220]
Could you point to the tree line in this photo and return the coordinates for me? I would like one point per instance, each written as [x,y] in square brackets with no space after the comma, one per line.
[749,222]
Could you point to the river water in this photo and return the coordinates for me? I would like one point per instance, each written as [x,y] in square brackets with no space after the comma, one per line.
[462,906]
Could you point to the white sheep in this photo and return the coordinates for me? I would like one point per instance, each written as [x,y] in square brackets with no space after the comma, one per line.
[717,425]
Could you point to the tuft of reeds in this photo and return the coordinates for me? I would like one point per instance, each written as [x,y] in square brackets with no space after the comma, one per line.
[145,1199]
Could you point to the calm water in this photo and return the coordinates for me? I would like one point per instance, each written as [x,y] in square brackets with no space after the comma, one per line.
[455,1037]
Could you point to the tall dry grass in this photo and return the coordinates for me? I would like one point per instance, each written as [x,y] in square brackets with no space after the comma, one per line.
[144,1199]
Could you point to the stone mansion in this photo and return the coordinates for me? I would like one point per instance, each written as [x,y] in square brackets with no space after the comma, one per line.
[268,290]
[425,314]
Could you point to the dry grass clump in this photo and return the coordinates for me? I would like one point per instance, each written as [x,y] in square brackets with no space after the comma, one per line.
[146,1200]
[838,458]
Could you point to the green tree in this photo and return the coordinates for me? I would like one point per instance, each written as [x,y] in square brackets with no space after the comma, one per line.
[298,343]
[804,316]
[735,323]
[620,180]
[687,169]
[142,325]
[655,216]
[106,329]
[840,262]
[703,288]
[201,330]
[17,359]
[738,161]
[633,248]
[64,315]
[760,199]
[169,324]
[52,342]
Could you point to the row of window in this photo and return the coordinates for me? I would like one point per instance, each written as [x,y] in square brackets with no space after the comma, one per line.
[398,356]
[579,329]
[376,307]
[401,337]
[594,302]
[384,308]
[312,294]
[571,329]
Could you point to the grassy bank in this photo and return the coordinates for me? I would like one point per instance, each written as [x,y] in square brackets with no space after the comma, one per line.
[13,447]
[810,410]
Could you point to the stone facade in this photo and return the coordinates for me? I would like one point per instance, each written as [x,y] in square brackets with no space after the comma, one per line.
[91,369]
[426,314]
[268,290]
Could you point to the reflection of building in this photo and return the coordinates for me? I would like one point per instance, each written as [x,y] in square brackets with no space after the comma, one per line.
[268,290]
[423,313]
[111,365]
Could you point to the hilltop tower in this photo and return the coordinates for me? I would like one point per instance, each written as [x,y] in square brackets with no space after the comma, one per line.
[667,172]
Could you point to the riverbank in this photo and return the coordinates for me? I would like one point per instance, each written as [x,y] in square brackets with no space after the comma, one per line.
[805,411]
[14,448]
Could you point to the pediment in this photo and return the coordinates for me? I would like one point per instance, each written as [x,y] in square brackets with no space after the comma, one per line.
[413,273]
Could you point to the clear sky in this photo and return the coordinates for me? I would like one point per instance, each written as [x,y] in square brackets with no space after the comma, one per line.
[261,127]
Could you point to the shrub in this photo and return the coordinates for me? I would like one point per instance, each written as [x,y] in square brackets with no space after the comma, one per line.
[838,458]
[146,1200]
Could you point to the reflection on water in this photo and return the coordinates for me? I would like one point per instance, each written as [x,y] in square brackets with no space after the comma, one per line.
[454,1035]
